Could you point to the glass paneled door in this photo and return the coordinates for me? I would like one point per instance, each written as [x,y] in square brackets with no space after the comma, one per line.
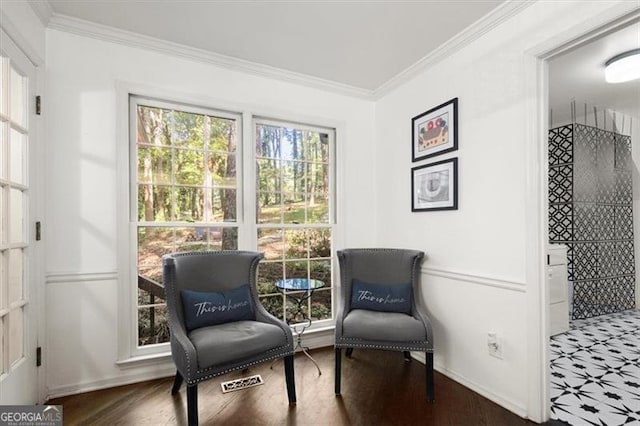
[18,331]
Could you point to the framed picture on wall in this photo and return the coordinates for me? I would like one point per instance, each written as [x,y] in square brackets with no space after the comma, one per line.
[435,131]
[435,186]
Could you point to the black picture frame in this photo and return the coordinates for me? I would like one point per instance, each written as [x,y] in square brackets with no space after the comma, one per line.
[435,132]
[434,186]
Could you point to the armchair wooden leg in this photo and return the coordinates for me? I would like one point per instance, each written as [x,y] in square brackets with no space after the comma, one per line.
[407,356]
[290,378]
[348,352]
[338,367]
[192,405]
[177,382]
[429,368]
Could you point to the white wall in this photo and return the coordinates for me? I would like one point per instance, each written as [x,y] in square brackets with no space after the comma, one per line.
[474,278]
[82,74]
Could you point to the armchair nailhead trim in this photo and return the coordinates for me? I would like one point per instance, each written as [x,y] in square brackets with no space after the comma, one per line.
[388,347]
[240,367]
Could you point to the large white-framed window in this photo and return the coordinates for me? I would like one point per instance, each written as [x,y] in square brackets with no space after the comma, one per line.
[295,214]
[184,196]
[206,178]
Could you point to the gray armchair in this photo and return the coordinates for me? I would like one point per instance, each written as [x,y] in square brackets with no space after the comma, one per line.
[386,329]
[206,352]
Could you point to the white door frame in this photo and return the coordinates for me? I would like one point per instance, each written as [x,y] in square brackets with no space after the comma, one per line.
[34,267]
[536,193]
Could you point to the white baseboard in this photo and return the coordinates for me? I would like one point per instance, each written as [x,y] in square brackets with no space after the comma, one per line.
[161,372]
[504,402]
[311,339]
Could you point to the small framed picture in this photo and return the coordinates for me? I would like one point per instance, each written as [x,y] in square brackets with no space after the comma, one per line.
[435,131]
[435,186]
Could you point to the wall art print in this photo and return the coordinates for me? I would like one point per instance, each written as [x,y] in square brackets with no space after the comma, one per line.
[435,131]
[435,186]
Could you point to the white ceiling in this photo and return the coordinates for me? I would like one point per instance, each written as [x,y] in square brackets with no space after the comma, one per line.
[579,74]
[362,44]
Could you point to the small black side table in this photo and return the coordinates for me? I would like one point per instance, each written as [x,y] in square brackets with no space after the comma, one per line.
[300,290]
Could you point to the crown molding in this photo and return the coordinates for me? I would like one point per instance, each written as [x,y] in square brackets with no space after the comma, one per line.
[42,9]
[482,26]
[128,38]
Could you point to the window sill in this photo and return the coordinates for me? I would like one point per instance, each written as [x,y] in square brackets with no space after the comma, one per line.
[144,360]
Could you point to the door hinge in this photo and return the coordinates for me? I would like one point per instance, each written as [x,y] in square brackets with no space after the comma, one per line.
[38,105]
[38,356]
[38,233]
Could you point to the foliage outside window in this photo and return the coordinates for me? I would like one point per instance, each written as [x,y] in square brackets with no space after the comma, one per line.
[186,186]
[293,214]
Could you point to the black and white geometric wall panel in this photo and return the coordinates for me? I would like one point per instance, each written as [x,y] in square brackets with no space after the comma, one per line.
[590,211]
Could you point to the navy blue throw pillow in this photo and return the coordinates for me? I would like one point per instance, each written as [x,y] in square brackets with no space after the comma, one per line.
[202,309]
[381,297]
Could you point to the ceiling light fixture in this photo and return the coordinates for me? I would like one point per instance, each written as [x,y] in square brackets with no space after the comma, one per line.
[623,67]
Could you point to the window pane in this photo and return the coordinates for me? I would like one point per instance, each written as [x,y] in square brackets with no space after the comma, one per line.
[296,244]
[189,204]
[223,134]
[152,325]
[150,291]
[154,165]
[296,269]
[16,220]
[152,273]
[317,177]
[293,208]
[186,129]
[17,101]
[223,169]
[16,161]
[15,276]
[223,205]
[192,239]
[268,175]
[270,207]
[190,167]
[153,243]
[154,203]
[318,208]
[268,274]
[271,243]
[320,242]
[268,141]
[154,126]
[321,270]
[321,304]
[16,326]
[273,305]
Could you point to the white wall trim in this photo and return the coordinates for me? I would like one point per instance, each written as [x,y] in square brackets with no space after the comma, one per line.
[477,388]
[106,33]
[166,369]
[42,9]
[475,279]
[74,277]
[482,26]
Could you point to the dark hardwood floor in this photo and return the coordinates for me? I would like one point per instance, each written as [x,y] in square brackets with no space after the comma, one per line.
[378,388]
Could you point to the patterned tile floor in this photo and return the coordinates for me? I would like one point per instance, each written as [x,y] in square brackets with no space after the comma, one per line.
[595,371]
